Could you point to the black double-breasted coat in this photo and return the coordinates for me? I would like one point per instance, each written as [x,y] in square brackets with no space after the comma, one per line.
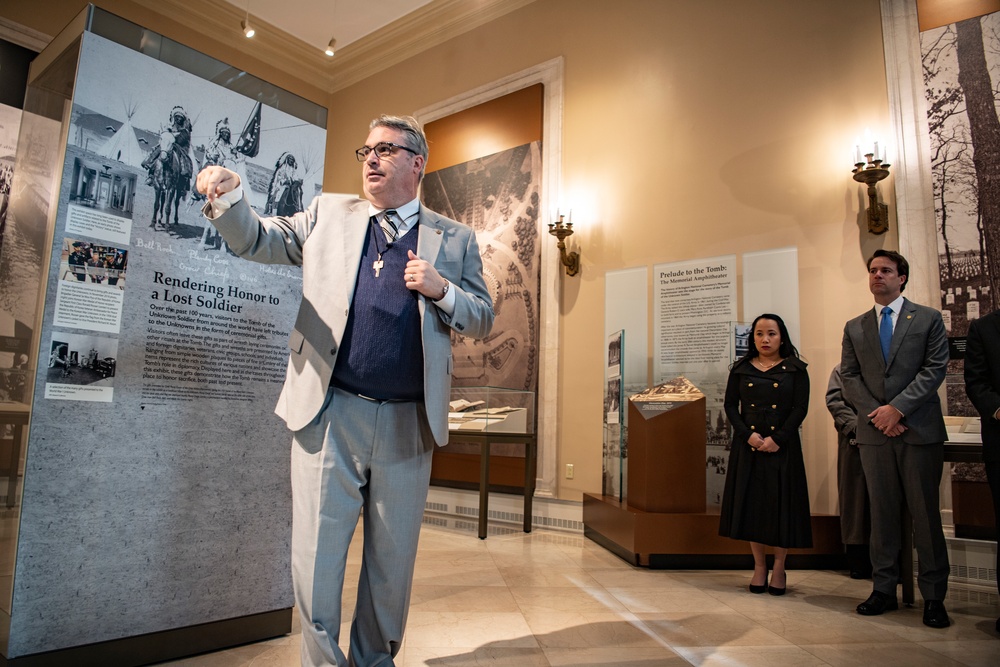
[766,498]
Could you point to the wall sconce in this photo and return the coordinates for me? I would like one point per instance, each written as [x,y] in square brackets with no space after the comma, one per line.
[331,47]
[869,170]
[561,230]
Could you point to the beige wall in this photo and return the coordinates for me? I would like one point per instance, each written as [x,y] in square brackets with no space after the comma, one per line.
[690,129]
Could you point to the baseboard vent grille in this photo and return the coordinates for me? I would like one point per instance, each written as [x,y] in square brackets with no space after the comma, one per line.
[518,518]
[984,575]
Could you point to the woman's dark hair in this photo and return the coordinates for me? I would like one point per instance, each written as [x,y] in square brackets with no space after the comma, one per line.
[786,349]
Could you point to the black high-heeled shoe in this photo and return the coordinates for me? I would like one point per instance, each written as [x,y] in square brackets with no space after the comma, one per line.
[757,590]
[774,590]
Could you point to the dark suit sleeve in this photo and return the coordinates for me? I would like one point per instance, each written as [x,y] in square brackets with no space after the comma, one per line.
[855,390]
[932,370]
[844,416]
[978,379]
[789,430]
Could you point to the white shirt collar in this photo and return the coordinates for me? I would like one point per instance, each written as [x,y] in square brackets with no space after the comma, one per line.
[407,213]
[896,305]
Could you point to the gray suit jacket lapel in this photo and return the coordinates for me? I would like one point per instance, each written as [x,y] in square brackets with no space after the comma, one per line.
[869,325]
[428,243]
[356,231]
[903,322]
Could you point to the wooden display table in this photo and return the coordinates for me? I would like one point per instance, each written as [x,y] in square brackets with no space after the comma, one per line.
[485,440]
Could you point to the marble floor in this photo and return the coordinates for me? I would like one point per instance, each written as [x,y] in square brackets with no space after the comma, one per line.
[553,598]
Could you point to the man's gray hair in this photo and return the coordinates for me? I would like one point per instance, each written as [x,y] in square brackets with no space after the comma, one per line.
[409,126]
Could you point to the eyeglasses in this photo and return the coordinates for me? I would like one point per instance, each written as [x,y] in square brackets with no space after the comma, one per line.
[382,150]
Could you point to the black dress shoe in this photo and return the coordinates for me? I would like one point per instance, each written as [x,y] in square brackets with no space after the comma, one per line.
[935,615]
[757,590]
[774,590]
[878,603]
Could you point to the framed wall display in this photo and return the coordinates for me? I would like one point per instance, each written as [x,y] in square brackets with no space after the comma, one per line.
[488,169]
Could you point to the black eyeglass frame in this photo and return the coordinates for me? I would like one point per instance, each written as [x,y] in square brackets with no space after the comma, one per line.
[383,149]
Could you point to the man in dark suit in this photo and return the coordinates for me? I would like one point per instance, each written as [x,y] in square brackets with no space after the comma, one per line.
[893,361]
[385,282]
[982,383]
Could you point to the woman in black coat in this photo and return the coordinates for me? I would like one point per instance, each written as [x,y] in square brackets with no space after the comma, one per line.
[766,500]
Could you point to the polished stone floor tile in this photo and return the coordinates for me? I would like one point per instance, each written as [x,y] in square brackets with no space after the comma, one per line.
[751,656]
[977,653]
[710,629]
[468,630]
[590,630]
[542,575]
[462,598]
[610,657]
[645,600]
[493,656]
[883,653]
[557,599]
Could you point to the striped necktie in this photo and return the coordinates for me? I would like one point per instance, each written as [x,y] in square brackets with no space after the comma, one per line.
[389,227]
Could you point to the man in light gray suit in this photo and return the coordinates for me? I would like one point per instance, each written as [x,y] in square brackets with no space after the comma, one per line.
[893,361]
[385,282]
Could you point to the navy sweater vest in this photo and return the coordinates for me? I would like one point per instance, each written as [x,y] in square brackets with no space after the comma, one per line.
[382,355]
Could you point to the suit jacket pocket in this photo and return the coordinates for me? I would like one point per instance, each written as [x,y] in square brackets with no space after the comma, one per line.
[295,340]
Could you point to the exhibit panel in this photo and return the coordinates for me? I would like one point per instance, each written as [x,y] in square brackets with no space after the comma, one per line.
[156,481]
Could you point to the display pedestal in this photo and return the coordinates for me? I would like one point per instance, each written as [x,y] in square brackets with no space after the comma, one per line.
[663,522]
[670,540]
[666,455]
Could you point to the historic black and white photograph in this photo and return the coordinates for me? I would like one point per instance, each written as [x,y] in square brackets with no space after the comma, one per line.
[82,359]
[93,263]
[137,147]
[499,197]
[961,65]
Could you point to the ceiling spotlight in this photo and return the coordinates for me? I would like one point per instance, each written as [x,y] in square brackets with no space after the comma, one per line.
[329,50]
[247,28]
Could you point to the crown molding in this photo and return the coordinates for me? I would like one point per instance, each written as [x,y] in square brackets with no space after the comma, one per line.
[24,36]
[427,27]
[424,28]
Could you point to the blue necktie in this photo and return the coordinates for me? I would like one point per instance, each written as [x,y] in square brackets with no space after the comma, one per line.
[885,332]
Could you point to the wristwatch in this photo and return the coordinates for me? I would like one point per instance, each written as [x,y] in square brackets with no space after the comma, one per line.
[444,292]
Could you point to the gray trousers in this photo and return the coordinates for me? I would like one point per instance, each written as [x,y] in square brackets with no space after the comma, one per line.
[897,472]
[358,453]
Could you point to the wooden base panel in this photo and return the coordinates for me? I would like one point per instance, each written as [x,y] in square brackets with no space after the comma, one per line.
[692,541]
[506,472]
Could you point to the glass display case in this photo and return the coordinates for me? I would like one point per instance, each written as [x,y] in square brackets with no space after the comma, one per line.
[491,410]
[495,420]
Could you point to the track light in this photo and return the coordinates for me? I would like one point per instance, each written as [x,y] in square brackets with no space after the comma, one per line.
[247,28]
[331,47]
